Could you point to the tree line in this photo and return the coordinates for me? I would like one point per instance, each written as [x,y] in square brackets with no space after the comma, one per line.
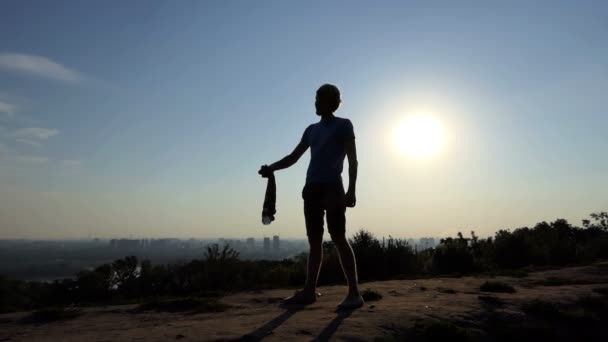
[220,270]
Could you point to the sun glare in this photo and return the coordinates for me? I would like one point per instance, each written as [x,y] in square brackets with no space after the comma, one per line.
[419,136]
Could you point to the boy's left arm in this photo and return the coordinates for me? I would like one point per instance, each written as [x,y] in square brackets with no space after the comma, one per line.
[351,154]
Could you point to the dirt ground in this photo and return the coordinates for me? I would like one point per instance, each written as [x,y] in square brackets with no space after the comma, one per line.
[254,316]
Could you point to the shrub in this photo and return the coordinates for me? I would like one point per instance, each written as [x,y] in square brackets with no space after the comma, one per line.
[370,295]
[453,256]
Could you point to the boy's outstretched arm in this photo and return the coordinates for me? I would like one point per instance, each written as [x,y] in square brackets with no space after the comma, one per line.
[286,162]
[351,154]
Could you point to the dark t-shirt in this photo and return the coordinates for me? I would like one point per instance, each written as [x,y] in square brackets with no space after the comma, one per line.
[326,141]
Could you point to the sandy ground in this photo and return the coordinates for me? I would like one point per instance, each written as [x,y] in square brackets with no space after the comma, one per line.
[256,315]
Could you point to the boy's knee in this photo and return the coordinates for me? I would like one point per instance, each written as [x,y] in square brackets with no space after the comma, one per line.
[338,238]
[315,239]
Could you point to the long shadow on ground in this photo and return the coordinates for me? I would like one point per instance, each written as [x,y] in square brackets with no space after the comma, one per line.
[332,327]
[267,329]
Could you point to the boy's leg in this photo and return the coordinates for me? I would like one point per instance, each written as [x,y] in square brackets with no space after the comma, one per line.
[336,225]
[313,215]
[315,257]
[349,265]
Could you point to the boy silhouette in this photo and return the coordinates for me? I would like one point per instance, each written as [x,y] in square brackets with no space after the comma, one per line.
[330,140]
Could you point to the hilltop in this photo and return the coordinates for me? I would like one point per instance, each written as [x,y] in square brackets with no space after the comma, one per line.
[561,303]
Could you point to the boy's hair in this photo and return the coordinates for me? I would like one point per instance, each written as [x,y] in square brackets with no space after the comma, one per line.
[331,93]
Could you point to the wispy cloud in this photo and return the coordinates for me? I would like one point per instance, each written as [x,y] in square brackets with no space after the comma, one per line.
[35,133]
[38,66]
[29,142]
[7,109]
[31,159]
[4,150]
[71,163]
[33,136]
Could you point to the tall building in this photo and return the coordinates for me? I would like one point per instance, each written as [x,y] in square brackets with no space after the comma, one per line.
[275,243]
[250,242]
[267,244]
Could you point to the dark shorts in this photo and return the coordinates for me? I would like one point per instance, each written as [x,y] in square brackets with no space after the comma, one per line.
[321,198]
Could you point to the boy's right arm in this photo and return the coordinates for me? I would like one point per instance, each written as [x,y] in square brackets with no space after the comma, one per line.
[286,162]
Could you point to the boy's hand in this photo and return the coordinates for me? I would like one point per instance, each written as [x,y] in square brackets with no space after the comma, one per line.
[351,199]
[265,171]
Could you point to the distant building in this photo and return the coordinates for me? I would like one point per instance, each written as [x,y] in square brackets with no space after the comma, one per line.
[250,242]
[426,243]
[275,243]
[267,244]
[126,243]
[163,243]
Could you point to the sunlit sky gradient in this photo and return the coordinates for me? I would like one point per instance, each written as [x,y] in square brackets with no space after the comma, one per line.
[151,118]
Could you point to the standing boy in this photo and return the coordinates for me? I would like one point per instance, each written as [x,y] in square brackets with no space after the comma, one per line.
[330,140]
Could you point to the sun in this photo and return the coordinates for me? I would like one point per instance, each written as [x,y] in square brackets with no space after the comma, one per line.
[419,136]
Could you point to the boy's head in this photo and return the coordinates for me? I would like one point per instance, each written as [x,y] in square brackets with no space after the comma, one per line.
[327,100]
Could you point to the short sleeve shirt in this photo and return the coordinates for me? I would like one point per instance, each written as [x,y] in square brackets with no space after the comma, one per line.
[326,140]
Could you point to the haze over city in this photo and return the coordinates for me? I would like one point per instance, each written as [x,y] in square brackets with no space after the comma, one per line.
[148,120]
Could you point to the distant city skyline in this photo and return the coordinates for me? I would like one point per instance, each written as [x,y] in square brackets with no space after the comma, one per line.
[150,118]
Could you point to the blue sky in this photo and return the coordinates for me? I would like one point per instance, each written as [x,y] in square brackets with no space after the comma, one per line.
[151,118]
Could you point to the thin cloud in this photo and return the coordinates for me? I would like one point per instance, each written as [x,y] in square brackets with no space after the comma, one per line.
[7,109]
[32,159]
[4,150]
[38,66]
[33,133]
[29,142]
[71,163]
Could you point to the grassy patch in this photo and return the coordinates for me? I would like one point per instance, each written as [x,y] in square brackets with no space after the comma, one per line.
[188,304]
[496,286]
[370,295]
[51,315]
